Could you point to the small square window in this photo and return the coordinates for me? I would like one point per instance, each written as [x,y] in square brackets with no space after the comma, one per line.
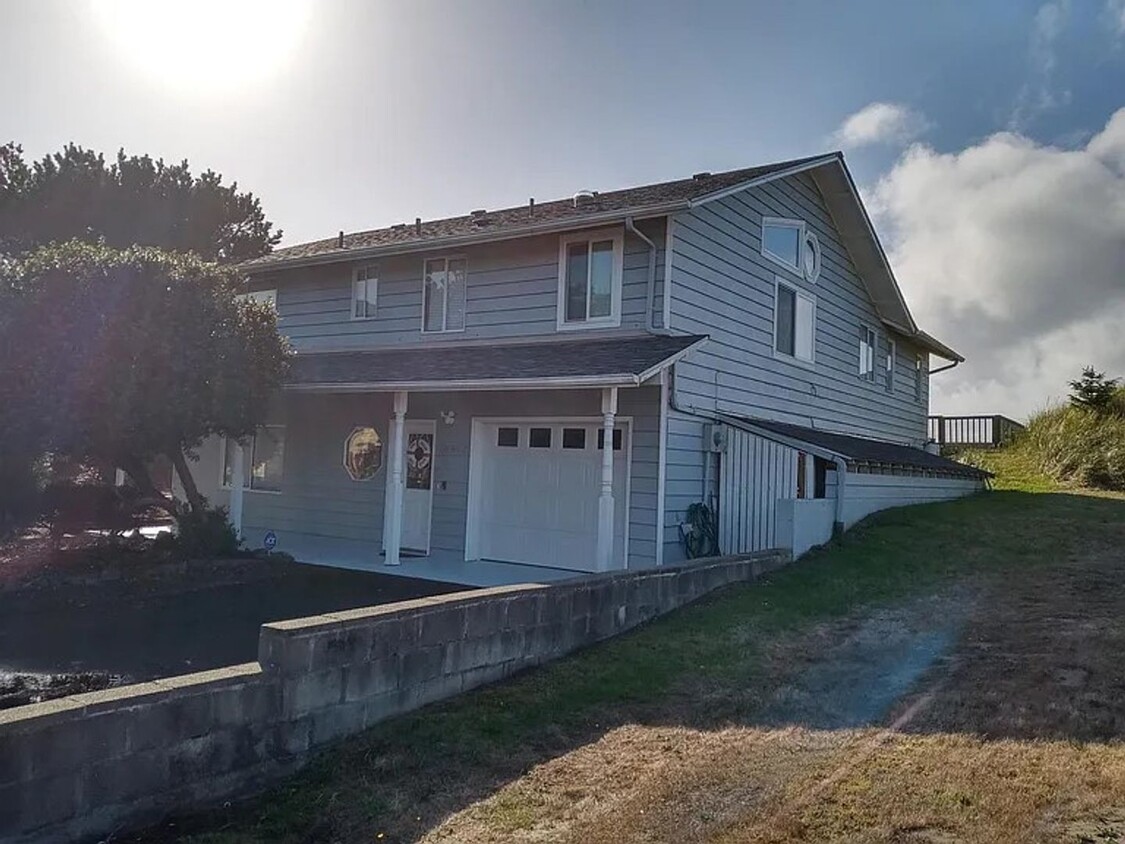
[574,438]
[539,438]
[616,439]
[508,437]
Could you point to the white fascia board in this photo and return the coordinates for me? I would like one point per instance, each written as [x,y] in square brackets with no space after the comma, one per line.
[764,179]
[557,383]
[668,361]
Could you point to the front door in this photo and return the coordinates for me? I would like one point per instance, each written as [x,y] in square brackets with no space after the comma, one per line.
[418,497]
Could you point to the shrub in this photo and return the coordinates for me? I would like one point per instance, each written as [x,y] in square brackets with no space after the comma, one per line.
[202,535]
[1077,446]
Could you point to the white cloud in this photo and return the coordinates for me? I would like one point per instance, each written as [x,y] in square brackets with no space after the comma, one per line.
[1115,11]
[1013,253]
[1040,93]
[881,123]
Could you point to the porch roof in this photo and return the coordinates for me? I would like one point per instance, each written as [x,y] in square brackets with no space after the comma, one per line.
[857,450]
[612,362]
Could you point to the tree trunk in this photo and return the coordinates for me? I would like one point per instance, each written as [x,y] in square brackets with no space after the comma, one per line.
[135,468]
[197,502]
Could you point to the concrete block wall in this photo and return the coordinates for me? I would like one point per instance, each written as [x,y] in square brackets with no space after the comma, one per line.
[84,766]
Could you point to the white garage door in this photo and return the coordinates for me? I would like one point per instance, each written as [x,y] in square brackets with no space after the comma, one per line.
[538,491]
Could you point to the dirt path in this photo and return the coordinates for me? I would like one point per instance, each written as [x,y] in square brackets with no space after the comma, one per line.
[957,718]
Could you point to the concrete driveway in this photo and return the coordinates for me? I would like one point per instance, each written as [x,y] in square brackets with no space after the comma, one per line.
[166,624]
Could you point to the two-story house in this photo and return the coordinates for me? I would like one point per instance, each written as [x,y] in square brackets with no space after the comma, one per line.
[536,391]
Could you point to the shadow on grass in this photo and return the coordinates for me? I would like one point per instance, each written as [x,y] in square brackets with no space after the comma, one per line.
[723,660]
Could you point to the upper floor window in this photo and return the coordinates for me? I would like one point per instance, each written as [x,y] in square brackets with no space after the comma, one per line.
[892,352]
[261,297]
[263,460]
[365,290]
[919,378]
[590,269]
[794,329]
[791,244]
[867,342]
[443,294]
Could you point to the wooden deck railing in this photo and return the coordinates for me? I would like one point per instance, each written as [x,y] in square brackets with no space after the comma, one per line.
[981,431]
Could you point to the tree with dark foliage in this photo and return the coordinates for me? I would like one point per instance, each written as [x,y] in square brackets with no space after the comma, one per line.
[1093,390]
[134,200]
[125,355]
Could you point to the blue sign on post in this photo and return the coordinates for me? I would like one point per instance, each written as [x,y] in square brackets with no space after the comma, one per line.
[270,540]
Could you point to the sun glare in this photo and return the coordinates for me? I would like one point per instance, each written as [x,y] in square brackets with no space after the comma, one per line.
[204,45]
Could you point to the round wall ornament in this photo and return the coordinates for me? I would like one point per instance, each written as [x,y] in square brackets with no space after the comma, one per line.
[363,453]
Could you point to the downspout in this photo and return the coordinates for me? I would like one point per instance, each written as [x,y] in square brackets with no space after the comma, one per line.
[841,482]
[651,297]
[942,368]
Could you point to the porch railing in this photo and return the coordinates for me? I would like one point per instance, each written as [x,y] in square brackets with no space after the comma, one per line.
[980,431]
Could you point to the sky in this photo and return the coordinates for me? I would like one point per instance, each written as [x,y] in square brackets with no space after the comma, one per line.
[988,138]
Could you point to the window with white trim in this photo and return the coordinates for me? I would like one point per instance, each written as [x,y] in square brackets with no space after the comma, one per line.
[867,340]
[443,294]
[793,245]
[794,324]
[892,353]
[365,292]
[919,379]
[590,271]
[263,460]
[259,297]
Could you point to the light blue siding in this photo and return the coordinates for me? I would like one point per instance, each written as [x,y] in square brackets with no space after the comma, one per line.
[511,293]
[319,501]
[722,286]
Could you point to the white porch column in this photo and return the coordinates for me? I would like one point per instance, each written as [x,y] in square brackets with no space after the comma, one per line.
[237,472]
[392,509]
[605,500]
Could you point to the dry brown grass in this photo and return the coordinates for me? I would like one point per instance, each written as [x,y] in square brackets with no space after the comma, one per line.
[651,784]
[1014,736]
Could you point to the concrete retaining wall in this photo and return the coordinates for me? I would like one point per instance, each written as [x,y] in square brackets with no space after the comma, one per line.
[91,764]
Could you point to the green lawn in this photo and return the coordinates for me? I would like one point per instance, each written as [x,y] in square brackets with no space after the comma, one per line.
[702,666]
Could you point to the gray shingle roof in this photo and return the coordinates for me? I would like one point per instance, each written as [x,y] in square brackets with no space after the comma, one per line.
[619,360]
[861,450]
[514,219]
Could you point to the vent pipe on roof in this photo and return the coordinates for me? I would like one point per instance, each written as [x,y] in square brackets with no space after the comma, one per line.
[531,207]
[584,198]
[417,225]
[340,240]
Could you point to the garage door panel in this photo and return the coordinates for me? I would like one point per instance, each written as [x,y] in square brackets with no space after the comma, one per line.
[540,505]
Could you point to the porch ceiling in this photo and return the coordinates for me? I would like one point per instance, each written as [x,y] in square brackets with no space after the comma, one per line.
[615,362]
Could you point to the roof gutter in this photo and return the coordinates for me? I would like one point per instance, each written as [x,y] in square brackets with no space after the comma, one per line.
[479,384]
[435,244]
[943,368]
[574,382]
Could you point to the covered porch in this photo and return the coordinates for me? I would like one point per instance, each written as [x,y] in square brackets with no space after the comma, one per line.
[479,464]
